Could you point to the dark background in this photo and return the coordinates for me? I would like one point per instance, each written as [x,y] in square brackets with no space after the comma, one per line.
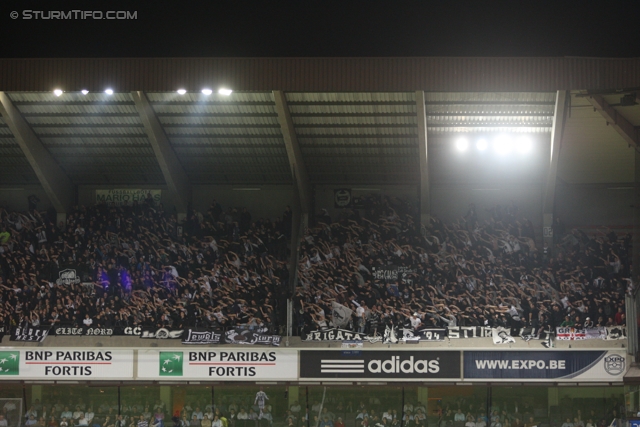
[329,28]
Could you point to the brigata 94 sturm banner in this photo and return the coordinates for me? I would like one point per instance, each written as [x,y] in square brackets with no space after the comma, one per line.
[227,364]
[545,365]
[63,364]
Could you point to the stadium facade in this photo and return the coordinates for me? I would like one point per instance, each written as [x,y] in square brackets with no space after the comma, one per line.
[318,134]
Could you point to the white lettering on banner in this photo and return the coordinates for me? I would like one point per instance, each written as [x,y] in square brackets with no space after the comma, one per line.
[129,195]
[66,364]
[395,365]
[132,331]
[230,365]
[520,364]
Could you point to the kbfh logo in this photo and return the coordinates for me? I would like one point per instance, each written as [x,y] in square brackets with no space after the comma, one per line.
[342,197]
[615,364]
[9,362]
[171,363]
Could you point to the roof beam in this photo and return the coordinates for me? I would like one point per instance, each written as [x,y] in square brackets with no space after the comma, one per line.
[298,169]
[302,188]
[557,131]
[623,126]
[174,175]
[54,180]
[424,191]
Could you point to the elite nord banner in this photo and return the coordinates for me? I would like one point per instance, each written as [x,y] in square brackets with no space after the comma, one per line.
[545,365]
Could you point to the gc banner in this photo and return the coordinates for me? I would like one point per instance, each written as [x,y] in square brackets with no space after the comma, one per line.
[545,365]
[65,364]
[228,365]
[397,365]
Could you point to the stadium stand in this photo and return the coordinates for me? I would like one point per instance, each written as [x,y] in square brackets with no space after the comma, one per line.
[140,270]
[465,273]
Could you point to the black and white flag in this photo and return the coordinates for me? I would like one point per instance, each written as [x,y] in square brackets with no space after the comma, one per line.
[341,314]
[29,333]
[502,336]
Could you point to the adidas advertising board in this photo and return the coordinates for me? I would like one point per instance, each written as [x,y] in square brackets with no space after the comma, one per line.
[65,364]
[545,365]
[228,365]
[387,365]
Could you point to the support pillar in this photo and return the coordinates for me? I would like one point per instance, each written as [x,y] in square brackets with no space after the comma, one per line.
[557,130]
[553,398]
[423,397]
[301,186]
[294,396]
[36,394]
[635,254]
[61,219]
[423,156]
[165,396]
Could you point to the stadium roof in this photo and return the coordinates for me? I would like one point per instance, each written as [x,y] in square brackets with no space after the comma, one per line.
[355,120]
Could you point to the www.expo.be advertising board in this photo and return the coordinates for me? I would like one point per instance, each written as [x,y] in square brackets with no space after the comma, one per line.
[554,365]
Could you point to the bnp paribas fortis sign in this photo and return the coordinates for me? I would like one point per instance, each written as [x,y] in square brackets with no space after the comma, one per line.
[9,363]
[171,363]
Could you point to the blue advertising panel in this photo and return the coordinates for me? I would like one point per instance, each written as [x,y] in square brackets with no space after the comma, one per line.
[545,365]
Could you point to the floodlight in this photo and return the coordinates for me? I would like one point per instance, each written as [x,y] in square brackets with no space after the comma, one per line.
[503,144]
[482,144]
[462,144]
[524,144]
[84,91]
[224,91]
[182,91]
[57,92]
[207,91]
[109,91]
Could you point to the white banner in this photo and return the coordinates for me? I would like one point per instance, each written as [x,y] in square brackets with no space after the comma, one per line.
[229,365]
[601,333]
[65,364]
[501,336]
[129,195]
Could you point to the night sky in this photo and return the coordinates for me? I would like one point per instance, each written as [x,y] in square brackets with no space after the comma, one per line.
[601,28]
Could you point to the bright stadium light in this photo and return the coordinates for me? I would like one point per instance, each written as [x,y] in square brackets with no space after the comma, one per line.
[502,144]
[482,144]
[109,91]
[462,144]
[207,91]
[84,91]
[224,91]
[57,92]
[181,91]
[524,144]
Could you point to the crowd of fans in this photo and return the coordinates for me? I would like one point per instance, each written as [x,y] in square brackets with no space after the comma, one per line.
[137,266]
[462,273]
